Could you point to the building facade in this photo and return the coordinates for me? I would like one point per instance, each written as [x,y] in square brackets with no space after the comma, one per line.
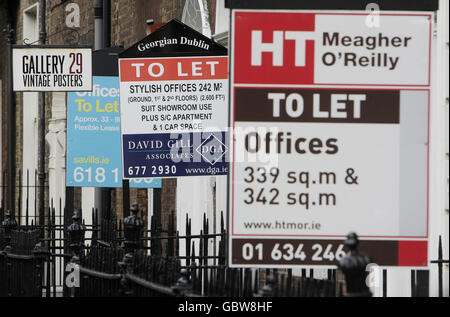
[128,20]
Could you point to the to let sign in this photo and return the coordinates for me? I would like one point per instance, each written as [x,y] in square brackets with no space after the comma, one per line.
[322,48]
[174,105]
[330,122]
[52,69]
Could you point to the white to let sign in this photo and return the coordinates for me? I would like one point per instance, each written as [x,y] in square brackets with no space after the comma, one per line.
[174,116]
[52,69]
[331,136]
[170,95]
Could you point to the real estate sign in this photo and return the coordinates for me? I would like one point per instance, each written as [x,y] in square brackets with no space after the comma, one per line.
[174,105]
[330,118]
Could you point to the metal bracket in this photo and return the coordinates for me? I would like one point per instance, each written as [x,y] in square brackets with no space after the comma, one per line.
[72,36]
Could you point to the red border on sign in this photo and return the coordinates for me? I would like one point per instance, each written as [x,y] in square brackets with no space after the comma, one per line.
[373,85]
[169,69]
[233,234]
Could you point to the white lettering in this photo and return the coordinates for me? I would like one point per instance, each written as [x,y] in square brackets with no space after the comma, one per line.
[276,98]
[300,45]
[138,68]
[276,48]
[161,69]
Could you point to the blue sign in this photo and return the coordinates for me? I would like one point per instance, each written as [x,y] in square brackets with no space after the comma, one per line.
[174,105]
[173,155]
[93,138]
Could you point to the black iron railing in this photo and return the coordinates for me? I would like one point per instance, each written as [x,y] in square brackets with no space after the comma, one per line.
[122,258]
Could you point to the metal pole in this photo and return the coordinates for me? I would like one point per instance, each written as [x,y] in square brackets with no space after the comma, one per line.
[440,267]
[98,25]
[101,195]
[107,23]
[156,245]
[105,202]
[42,39]
[11,131]
[126,197]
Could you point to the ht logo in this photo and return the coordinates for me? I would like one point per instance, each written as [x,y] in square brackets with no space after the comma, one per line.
[277,47]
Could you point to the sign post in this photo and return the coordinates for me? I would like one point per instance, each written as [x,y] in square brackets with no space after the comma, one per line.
[174,105]
[47,68]
[330,120]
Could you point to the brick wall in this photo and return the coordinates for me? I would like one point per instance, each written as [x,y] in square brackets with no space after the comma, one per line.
[59,34]
[212,14]
[4,17]
[56,25]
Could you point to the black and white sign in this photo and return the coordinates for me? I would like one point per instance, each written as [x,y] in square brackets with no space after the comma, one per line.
[330,120]
[52,69]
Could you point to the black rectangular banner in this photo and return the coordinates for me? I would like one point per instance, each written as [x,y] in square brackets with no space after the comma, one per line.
[308,251]
[316,105]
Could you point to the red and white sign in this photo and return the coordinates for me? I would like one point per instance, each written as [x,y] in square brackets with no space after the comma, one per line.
[170,95]
[330,116]
[296,48]
[171,108]
[163,69]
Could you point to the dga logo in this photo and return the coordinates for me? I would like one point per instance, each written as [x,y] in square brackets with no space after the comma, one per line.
[212,149]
